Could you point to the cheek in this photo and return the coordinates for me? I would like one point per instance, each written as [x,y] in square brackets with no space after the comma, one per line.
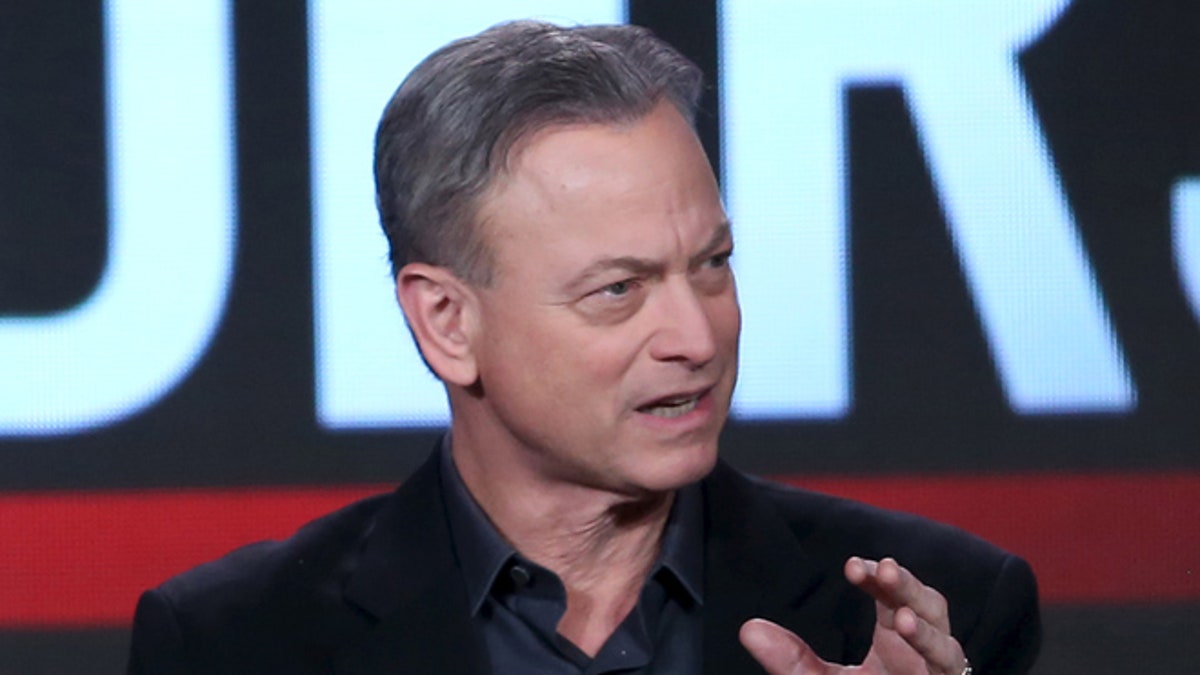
[546,357]
[542,357]
[725,316]
[596,373]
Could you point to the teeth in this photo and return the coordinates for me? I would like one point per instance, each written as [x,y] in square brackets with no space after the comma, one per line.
[673,409]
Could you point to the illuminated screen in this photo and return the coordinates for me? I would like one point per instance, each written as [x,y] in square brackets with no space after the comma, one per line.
[967,255]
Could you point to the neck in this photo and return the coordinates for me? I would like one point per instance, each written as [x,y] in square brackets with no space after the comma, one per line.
[602,545]
[581,533]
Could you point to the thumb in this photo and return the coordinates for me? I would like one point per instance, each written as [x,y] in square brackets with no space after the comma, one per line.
[779,650]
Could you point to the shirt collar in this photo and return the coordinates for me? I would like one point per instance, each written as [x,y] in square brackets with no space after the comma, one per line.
[683,541]
[483,553]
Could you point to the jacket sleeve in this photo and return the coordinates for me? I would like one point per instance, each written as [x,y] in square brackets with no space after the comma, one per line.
[1008,635]
[157,646]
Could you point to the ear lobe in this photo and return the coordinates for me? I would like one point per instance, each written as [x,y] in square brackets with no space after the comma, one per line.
[440,312]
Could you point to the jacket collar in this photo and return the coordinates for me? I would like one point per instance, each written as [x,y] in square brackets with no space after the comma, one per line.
[407,580]
[756,566]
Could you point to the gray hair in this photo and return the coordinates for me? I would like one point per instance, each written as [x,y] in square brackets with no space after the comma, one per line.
[448,129]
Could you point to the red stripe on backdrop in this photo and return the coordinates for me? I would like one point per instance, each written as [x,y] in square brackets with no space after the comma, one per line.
[76,559]
[79,559]
[1090,538]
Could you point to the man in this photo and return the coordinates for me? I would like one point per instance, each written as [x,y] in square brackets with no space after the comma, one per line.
[561,256]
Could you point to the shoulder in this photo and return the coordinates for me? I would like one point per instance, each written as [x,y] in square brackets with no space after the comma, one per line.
[992,593]
[854,528]
[249,601]
[839,526]
[314,551]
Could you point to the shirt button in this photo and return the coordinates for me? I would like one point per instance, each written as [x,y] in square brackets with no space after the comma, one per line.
[519,575]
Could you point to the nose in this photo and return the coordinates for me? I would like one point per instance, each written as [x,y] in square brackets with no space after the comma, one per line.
[685,331]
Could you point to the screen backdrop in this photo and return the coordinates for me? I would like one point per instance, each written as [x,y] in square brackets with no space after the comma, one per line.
[968,256]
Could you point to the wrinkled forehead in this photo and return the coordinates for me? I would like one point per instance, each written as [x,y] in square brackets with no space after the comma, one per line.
[622,188]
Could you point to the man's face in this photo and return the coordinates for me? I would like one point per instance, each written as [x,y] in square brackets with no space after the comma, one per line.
[607,349]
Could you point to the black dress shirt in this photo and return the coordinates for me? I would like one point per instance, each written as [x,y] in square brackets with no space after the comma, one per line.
[517,604]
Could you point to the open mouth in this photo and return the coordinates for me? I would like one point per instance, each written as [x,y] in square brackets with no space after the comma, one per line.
[669,408]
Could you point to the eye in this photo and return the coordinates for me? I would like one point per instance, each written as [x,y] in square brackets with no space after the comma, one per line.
[613,302]
[714,274]
[618,288]
[720,260]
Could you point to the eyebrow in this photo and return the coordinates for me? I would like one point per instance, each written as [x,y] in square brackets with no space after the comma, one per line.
[722,234]
[647,267]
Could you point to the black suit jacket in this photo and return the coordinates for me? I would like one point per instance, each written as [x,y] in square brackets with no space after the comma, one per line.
[375,588]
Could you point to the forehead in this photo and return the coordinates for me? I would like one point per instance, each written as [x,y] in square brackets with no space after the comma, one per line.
[630,188]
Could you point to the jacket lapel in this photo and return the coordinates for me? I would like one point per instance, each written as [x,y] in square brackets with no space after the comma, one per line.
[407,579]
[756,566]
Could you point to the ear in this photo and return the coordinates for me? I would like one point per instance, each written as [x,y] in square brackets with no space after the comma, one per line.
[440,309]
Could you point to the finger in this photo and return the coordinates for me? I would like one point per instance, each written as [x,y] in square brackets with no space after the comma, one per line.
[941,652]
[778,650]
[894,587]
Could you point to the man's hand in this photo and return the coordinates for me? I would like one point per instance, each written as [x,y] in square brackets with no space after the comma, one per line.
[912,630]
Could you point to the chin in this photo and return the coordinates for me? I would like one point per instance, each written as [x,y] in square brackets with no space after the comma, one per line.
[677,469]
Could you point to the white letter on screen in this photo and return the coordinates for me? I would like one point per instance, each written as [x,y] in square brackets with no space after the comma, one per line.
[1185,210]
[784,70]
[171,231]
[368,372]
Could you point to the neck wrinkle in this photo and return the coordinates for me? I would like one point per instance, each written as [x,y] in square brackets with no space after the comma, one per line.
[588,536]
